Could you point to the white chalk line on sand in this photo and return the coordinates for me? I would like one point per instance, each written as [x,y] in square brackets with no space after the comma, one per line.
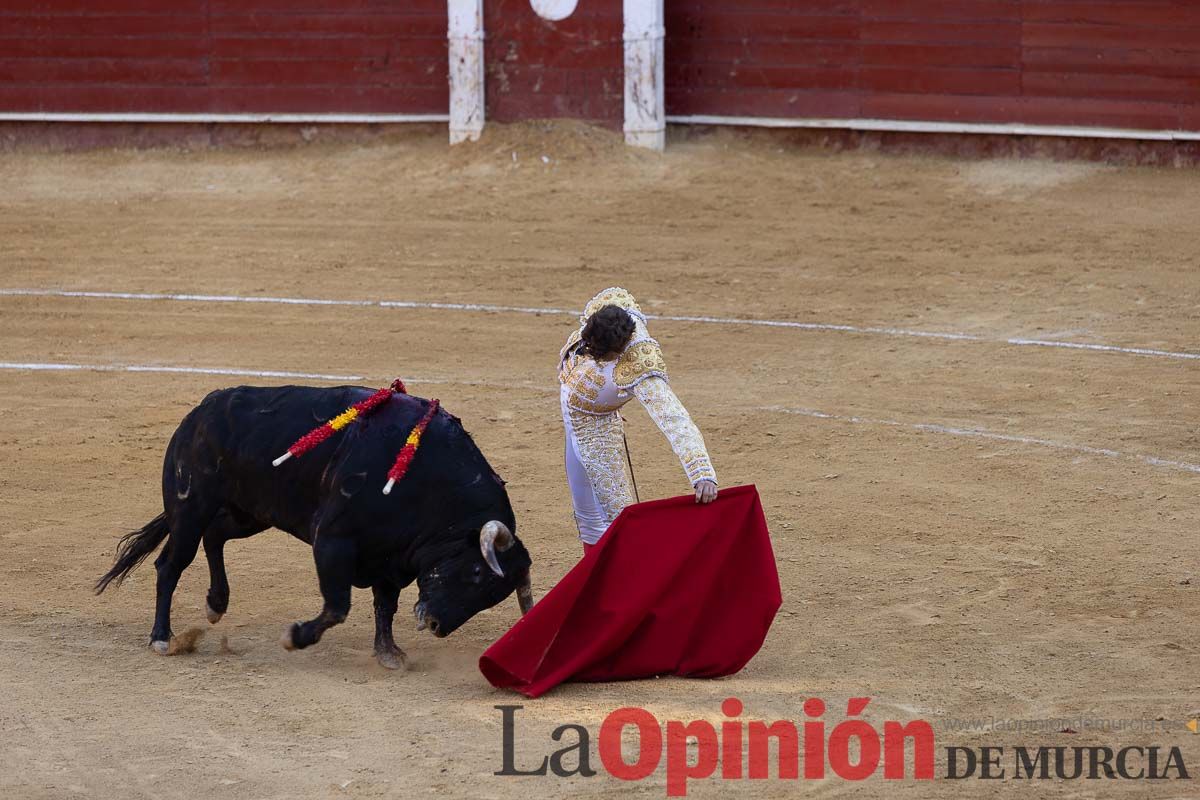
[36,366]
[925,427]
[248,373]
[549,310]
[979,433]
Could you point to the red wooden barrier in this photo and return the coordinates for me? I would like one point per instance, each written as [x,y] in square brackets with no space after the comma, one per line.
[224,56]
[570,68]
[1121,63]
[1112,63]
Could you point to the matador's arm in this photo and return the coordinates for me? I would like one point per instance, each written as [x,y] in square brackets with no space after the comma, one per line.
[675,423]
[642,371]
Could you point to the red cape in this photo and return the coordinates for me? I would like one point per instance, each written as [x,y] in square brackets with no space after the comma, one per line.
[672,588]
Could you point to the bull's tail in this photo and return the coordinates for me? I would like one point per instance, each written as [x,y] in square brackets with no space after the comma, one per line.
[133,549]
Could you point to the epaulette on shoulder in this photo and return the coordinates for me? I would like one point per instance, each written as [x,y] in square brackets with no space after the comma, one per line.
[639,361]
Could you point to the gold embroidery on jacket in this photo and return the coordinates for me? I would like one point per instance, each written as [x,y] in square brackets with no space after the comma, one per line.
[572,340]
[673,420]
[612,296]
[599,440]
[584,380]
[639,361]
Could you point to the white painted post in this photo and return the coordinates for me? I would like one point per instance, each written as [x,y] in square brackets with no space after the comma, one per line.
[465,40]
[645,113]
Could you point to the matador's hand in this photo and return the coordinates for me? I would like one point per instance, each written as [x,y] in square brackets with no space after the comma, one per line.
[706,492]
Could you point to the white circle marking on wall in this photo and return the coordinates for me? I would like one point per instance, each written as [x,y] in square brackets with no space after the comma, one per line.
[554,10]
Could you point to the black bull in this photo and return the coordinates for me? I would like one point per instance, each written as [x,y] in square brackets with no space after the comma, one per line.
[448,524]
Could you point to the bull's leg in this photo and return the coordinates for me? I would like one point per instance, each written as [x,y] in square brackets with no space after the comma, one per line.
[175,557]
[335,557]
[222,529]
[216,603]
[387,597]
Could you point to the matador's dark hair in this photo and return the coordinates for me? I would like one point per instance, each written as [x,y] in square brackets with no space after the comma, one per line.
[607,332]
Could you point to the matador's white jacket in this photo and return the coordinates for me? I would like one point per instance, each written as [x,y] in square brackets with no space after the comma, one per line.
[592,393]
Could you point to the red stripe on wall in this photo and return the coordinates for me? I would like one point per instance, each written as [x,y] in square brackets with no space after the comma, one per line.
[928,10]
[1125,14]
[174,26]
[994,32]
[742,24]
[1123,63]
[1057,62]
[329,25]
[763,103]
[195,49]
[224,56]
[924,55]
[25,8]
[571,68]
[236,99]
[111,71]
[430,52]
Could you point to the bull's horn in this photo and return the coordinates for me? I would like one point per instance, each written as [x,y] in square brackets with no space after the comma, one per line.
[494,538]
[525,594]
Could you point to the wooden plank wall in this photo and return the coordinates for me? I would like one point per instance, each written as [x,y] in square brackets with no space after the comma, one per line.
[1120,63]
[1114,63]
[224,56]
[540,69]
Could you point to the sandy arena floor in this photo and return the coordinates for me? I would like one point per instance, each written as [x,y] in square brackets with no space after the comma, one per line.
[943,573]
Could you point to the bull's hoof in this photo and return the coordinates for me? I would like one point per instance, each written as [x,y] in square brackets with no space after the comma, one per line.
[162,648]
[213,616]
[393,658]
[288,639]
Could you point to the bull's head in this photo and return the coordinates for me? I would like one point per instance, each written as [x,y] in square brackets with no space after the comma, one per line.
[466,582]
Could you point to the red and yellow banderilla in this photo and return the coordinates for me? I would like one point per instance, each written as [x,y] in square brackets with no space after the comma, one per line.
[361,409]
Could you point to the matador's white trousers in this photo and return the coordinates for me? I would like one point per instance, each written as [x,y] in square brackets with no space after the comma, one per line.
[592,447]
